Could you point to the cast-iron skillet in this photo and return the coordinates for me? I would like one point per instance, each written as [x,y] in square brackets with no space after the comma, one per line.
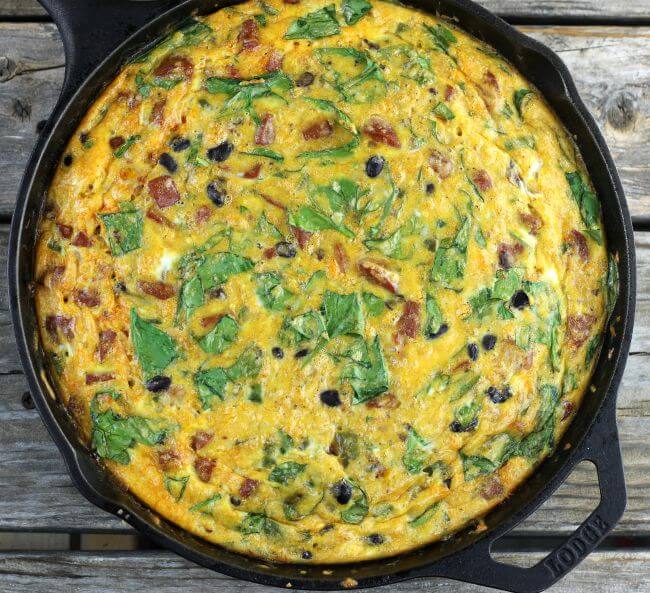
[99,37]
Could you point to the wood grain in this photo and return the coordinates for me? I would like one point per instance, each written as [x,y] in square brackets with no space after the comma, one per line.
[520,9]
[31,469]
[163,572]
[611,66]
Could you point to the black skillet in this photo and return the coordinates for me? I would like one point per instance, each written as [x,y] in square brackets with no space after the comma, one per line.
[99,37]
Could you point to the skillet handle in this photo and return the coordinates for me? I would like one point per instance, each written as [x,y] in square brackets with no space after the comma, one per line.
[476,565]
[91,29]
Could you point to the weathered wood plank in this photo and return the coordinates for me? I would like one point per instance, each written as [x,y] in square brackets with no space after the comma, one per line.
[520,9]
[611,66]
[88,572]
[31,468]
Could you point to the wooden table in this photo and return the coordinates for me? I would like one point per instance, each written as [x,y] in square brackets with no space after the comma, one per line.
[607,47]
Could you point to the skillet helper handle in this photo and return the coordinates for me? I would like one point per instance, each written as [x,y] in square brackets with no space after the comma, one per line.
[476,565]
[91,29]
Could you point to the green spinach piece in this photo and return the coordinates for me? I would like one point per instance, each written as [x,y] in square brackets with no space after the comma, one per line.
[259,523]
[345,446]
[266,153]
[343,314]
[190,298]
[443,111]
[358,509]
[123,229]
[155,349]
[354,10]
[367,372]
[344,121]
[520,98]
[286,472]
[588,203]
[310,219]
[425,516]
[130,141]
[176,486]
[220,337]
[302,328]
[443,38]
[451,257]
[417,452]
[374,305]
[207,506]
[315,25]
[216,268]
[434,317]
[271,292]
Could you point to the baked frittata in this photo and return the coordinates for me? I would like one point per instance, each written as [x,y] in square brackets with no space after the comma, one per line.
[322,282]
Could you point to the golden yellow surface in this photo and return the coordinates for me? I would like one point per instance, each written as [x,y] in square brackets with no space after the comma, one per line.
[479,178]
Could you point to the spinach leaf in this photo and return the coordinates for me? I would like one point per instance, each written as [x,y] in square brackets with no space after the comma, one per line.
[417,452]
[343,314]
[365,86]
[593,348]
[311,219]
[113,435]
[314,25]
[467,416]
[367,372]
[255,393]
[207,506]
[434,317]
[475,466]
[176,486]
[286,472]
[154,348]
[345,446]
[271,292]
[242,93]
[395,245]
[123,229]
[220,337]
[259,523]
[520,98]
[266,153]
[212,382]
[374,305]
[216,268]
[266,227]
[354,10]
[443,38]
[588,203]
[450,258]
[443,111]
[343,195]
[248,365]
[344,121]
[425,516]
[130,141]
[190,299]
[549,395]
[534,444]
[414,66]
[358,509]
[302,328]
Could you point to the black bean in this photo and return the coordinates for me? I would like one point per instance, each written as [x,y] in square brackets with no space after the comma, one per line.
[447,482]
[302,353]
[235,501]
[180,144]
[489,341]
[67,160]
[285,249]
[519,300]
[456,426]
[277,352]
[472,351]
[84,137]
[374,166]
[441,330]
[342,491]
[167,160]
[498,397]
[430,188]
[221,152]
[330,397]
[216,193]
[305,79]
[376,539]
[306,555]
[158,383]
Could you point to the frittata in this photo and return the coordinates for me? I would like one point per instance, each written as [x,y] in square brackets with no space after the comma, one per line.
[322,282]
